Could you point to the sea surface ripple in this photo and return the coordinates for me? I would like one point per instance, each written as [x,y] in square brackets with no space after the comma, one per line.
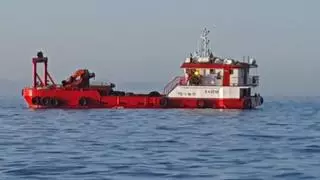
[281,140]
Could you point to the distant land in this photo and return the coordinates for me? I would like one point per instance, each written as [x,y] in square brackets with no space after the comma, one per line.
[143,87]
[13,88]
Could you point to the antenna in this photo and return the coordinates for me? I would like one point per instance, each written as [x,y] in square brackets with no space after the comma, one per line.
[214,26]
[46,51]
[204,49]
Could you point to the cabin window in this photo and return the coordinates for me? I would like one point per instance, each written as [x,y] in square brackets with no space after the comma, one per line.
[231,71]
[212,71]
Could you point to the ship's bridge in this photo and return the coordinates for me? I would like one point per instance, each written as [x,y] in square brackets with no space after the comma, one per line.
[218,72]
[203,68]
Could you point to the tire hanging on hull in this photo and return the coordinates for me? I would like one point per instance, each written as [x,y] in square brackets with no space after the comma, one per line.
[83,101]
[36,100]
[247,104]
[164,102]
[201,104]
[54,102]
[46,101]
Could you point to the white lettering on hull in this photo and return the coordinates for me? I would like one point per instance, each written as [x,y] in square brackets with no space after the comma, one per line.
[195,92]
[205,92]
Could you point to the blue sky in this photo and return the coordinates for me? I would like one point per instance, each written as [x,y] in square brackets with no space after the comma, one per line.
[146,41]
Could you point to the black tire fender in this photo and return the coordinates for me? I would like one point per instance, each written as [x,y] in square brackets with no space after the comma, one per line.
[36,100]
[164,102]
[201,104]
[83,101]
[247,104]
[55,102]
[46,101]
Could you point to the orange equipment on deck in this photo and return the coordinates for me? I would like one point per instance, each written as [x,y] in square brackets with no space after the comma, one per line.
[79,79]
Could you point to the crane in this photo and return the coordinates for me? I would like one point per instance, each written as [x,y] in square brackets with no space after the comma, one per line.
[80,79]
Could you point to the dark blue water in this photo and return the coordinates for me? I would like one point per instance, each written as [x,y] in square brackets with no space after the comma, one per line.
[279,141]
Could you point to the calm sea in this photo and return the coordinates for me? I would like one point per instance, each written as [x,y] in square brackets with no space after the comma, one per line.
[279,141]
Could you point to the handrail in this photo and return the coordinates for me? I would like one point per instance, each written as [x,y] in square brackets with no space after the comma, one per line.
[172,84]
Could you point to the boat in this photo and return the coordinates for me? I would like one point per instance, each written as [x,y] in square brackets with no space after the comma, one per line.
[208,81]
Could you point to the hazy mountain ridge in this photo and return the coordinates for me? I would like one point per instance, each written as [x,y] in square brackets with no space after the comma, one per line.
[14,88]
[10,87]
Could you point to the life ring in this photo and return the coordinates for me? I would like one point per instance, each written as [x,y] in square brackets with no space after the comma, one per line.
[54,102]
[36,100]
[83,101]
[201,104]
[164,102]
[46,101]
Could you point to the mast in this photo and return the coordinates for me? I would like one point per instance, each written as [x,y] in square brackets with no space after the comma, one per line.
[204,49]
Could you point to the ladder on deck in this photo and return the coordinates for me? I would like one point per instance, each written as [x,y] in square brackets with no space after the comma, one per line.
[172,84]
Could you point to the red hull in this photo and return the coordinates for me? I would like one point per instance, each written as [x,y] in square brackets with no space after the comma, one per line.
[73,99]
